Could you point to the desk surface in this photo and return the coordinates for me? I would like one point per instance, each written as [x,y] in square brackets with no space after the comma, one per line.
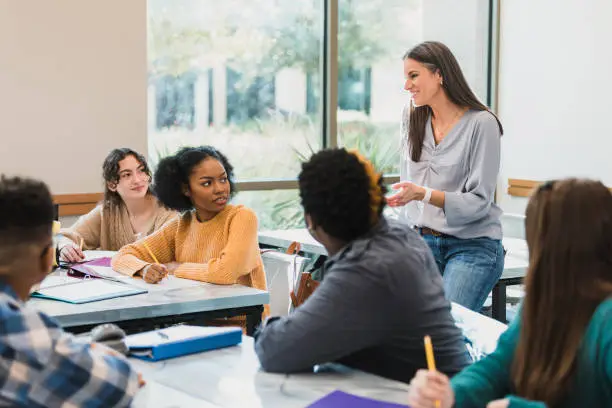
[231,377]
[173,296]
[515,263]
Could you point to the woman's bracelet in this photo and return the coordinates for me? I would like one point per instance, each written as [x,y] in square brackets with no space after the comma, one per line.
[427,196]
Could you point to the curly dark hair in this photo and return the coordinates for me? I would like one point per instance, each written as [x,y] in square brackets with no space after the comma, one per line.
[335,193]
[172,175]
[110,173]
[26,211]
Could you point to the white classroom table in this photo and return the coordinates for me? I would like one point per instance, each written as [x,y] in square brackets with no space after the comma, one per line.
[515,266]
[171,301]
[231,378]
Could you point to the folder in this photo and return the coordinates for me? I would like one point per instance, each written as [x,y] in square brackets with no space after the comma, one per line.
[340,399]
[87,290]
[181,340]
[99,268]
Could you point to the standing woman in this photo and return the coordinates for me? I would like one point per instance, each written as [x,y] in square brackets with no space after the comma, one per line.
[449,169]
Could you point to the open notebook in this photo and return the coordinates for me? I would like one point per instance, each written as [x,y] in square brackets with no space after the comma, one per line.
[85,290]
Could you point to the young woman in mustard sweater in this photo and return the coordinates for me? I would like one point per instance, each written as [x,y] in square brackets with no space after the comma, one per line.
[211,241]
[557,354]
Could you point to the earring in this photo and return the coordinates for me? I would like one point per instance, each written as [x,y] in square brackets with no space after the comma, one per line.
[441,82]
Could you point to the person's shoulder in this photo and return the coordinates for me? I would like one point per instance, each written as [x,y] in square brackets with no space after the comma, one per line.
[165,215]
[405,249]
[97,211]
[396,243]
[403,234]
[603,312]
[27,330]
[484,120]
[241,211]
[241,215]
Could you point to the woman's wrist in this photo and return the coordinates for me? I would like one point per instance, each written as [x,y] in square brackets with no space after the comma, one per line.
[421,193]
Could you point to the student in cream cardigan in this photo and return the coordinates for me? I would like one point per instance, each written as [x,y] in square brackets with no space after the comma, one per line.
[129,210]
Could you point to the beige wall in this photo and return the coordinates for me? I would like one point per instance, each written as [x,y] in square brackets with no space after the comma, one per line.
[72,86]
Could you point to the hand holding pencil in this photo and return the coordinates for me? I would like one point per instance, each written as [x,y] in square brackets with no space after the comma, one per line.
[430,388]
[155,272]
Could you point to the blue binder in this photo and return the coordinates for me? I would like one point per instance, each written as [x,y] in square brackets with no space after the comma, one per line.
[181,340]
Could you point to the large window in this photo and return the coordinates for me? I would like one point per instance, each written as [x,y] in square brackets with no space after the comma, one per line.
[235,74]
[252,78]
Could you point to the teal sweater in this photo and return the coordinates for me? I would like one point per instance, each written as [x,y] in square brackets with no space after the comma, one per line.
[489,378]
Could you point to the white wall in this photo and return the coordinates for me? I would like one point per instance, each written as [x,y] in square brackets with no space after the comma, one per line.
[554,91]
[463,27]
[73,83]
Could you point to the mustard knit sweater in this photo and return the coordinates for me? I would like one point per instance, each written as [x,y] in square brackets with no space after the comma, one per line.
[223,250]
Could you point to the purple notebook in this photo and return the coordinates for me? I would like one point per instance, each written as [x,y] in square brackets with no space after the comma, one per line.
[339,399]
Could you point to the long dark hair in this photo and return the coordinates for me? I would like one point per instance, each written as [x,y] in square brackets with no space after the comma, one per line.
[173,173]
[110,173]
[568,227]
[438,58]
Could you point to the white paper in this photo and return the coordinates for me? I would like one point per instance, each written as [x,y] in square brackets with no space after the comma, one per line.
[174,334]
[54,280]
[86,289]
[170,282]
[108,272]
[90,255]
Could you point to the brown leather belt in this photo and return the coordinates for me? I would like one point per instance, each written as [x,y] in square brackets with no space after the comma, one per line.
[429,231]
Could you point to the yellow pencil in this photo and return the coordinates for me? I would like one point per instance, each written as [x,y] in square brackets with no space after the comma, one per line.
[431,363]
[150,252]
[81,246]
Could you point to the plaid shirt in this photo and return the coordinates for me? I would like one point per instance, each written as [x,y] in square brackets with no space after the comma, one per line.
[42,366]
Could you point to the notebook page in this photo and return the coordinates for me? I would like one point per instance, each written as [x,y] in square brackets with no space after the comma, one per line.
[108,272]
[90,255]
[87,289]
[53,280]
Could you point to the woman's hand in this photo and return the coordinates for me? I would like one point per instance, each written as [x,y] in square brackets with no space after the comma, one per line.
[154,273]
[71,253]
[408,192]
[427,387]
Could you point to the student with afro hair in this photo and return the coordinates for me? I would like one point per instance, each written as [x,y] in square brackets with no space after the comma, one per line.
[381,291]
[212,240]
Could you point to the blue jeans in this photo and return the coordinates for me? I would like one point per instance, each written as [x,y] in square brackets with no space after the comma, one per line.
[470,267]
